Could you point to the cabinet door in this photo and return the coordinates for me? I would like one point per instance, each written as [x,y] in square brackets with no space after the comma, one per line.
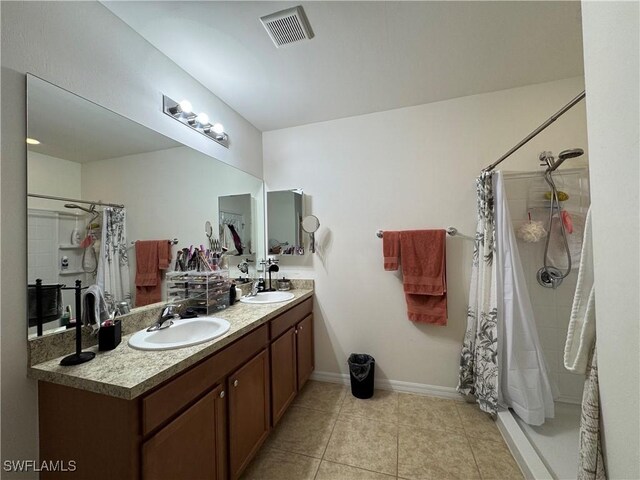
[192,446]
[283,373]
[304,349]
[248,411]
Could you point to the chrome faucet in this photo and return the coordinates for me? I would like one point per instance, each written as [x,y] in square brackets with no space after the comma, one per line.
[254,289]
[167,315]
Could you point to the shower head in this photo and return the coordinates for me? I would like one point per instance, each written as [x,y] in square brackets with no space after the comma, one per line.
[564,155]
[574,152]
[73,205]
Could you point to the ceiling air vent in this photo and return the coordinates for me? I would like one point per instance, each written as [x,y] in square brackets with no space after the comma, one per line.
[287,26]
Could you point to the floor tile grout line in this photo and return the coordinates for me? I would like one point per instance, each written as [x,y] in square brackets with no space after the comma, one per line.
[360,468]
[282,450]
[335,421]
[473,454]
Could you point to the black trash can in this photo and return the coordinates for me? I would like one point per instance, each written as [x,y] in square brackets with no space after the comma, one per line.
[362,369]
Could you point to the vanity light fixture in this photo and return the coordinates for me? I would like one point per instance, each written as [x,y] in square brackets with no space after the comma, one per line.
[183,112]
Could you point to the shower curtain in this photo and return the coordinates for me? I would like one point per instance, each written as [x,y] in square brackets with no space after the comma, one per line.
[113,263]
[501,359]
[479,356]
[523,382]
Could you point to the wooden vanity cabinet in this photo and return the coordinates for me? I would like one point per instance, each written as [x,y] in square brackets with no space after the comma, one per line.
[207,422]
[191,446]
[292,356]
[248,411]
[284,373]
[304,350]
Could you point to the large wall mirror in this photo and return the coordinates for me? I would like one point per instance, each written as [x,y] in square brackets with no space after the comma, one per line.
[85,161]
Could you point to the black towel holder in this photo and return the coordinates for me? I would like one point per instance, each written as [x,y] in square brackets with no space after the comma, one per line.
[80,356]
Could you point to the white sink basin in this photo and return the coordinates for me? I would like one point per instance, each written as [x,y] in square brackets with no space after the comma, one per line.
[268,297]
[183,333]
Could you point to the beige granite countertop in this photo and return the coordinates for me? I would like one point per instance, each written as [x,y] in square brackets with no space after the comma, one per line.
[128,373]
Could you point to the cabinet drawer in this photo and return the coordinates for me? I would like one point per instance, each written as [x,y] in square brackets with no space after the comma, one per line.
[169,399]
[283,322]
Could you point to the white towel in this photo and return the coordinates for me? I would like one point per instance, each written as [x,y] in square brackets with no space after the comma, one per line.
[582,324]
[94,308]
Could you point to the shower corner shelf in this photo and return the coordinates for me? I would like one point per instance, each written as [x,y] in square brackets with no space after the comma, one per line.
[68,246]
[71,272]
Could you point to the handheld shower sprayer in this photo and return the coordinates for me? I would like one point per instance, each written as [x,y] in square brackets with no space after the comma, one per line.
[553,164]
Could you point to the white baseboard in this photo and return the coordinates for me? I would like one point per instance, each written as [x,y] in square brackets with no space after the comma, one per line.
[394,385]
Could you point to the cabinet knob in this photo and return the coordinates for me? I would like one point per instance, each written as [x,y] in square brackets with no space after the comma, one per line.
[235,383]
[222,394]
[300,327]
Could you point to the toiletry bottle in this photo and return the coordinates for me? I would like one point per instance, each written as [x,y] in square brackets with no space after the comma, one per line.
[261,284]
[66,316]
[232,294]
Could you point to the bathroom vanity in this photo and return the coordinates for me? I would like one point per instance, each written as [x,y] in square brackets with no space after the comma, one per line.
[196,412]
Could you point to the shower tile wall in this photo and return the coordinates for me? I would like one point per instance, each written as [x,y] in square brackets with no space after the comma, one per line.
[42,246]
[552,308]
[48,240]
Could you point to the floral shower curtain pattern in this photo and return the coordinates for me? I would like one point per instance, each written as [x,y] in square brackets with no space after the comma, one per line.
[113,264]
[479,356]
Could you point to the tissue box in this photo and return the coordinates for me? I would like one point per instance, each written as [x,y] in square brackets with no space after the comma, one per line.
[110,337]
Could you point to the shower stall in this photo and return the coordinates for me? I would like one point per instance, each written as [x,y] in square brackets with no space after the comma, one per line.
[550,450]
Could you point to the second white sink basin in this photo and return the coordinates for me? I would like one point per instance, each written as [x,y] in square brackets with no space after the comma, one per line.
[268,297]
[183,333]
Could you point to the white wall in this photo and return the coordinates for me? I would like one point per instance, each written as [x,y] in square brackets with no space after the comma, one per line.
[611,34]
[168,193]
[52,176]
[403,169]
[82,47]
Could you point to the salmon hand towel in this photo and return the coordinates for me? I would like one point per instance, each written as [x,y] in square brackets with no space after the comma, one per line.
[423,258]
[391,250]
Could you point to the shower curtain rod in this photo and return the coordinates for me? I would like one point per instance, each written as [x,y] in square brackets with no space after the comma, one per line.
[74,200]
[548,122]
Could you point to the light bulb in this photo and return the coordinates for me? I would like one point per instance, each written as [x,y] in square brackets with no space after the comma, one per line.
[218,128]
[202,118]
[185,106]
[33,141]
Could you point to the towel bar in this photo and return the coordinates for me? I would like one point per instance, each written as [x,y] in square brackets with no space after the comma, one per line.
[451,231]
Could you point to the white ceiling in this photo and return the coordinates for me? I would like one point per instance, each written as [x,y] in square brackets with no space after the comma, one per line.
[75,129]
[365,57]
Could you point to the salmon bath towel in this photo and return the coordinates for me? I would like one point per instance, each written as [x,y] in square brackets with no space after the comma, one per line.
[424,272]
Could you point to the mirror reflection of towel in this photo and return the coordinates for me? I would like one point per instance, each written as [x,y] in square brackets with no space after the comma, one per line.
[94,307]
[152,256]
[51,304]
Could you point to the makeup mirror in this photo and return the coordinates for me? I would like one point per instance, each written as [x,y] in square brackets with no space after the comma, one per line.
[311,224]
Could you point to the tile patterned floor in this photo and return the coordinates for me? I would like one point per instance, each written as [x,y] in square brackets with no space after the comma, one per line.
[327,434]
